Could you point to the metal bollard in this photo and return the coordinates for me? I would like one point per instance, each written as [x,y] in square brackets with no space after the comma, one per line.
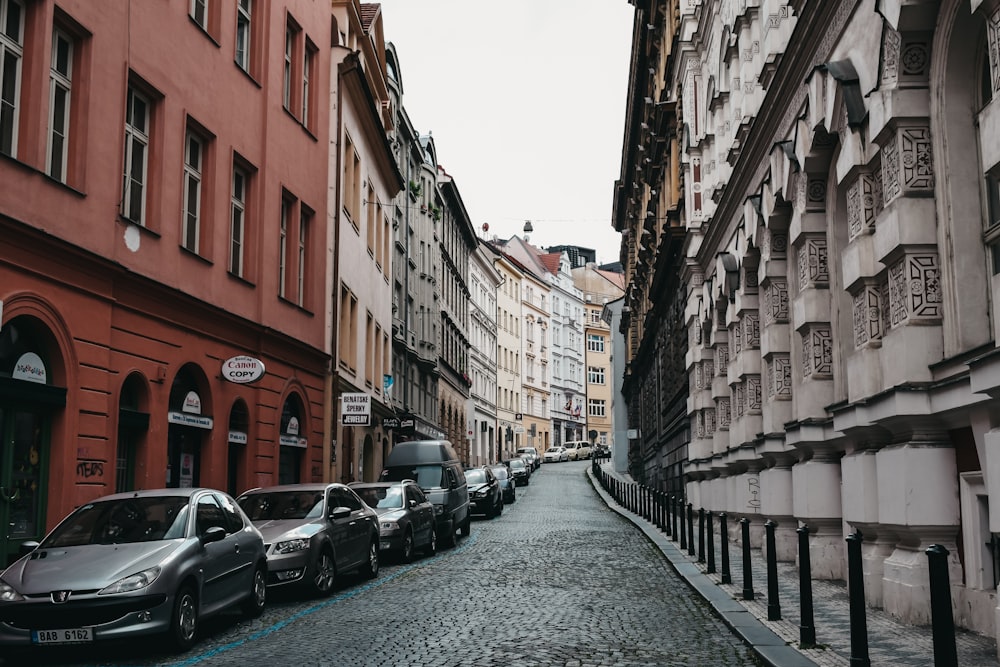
[856,596]
[747,572]
[690,511]
[773,604]
[942,622]
[701,534]
[666,514]
[684,532]
[711,543]
[807,627]
[678,534]
[727,576]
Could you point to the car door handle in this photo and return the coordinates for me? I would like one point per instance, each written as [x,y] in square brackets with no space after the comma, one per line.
[237,547]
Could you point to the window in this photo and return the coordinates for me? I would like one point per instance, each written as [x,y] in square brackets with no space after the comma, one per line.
[11,52]
[348,328]
[595,343]
[595,375]
[286,206]
[352,182]
[237,221]
[289,45]
[369,349]
[244,15]
[60,86]
[595,407]
[301,268]
[137,120]
[369,205]
[308,70]
[199,13]
[193,156]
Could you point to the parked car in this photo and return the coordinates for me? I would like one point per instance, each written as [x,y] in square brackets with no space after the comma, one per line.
[601,451]
[406,517]
[578,450]
[508,488]
[485,494]
[555,455]
[153,562]
[532,456]
[518,471]
[434,465]
[314,533]
[527,463]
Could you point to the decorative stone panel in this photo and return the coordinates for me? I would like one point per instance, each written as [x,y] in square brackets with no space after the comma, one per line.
[907,163]
[883,299]
[812,263]
[753,394]
[867,316]
[779,385]
[775,307]
[861,212]
[709,422]
[915,290]
[816,194]
[699,425]
[774,245]
[699,378]
[740,398]
[723,413]
[709,371]
[737,336]
[722,356]
[889,74]
[817,352]
[751,330]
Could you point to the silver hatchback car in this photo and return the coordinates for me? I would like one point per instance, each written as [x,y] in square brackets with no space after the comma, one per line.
[152,562]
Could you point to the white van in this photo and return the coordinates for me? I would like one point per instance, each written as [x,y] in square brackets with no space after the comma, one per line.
[578,450]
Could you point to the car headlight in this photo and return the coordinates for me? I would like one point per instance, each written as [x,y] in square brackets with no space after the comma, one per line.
[480,494]
[8,594]
[438,509]
[133,582]
[290,546]
[389,525]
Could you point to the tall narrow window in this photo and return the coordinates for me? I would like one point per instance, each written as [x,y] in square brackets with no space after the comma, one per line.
[60,78]
[199,12]
[287,91]
[11,52]
[136,157]
[371,220]
[238,205]
[305,218]
[193,156]
[307,66]
[244,15]
[283,247]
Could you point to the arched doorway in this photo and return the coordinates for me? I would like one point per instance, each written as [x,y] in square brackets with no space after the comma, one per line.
[292,445]
[133,423]
[238,437]
[28,401]
[190,420]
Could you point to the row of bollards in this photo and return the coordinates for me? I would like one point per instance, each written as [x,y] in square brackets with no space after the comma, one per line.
[675,517]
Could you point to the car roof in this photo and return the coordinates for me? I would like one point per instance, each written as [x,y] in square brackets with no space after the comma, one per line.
[152,493]
[315,486]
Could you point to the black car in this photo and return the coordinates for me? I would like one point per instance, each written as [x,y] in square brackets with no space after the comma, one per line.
[485,495]
[406,517]
[519,471]
[508,489]
[600,451]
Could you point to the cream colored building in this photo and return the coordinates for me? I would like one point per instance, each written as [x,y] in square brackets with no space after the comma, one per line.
[511,430]
[598,288]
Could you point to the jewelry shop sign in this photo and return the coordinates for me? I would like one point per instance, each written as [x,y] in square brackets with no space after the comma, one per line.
[355,409]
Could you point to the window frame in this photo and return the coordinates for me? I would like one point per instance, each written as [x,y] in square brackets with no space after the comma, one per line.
[244,32]
[134,136]
[60,82]
[192,174]
[239,205]
[14,46]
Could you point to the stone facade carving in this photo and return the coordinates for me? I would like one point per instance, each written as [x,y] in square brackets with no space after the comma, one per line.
[817,352]
[751,330]
[740,398]
[867,316]
[722,411]
[709,422]
[722,355]
[907,164]
[775,307]
[812,263]
[738,336]
[993,30]
[914,289]
[861,205]
[753,390]
[779,385]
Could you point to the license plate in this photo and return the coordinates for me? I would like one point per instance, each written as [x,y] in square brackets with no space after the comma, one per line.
[66,636]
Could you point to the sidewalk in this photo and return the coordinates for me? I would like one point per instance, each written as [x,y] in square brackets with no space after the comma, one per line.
[890,642]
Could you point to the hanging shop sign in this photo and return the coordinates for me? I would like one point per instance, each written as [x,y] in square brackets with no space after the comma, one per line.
[29,367]
[238,437]
[355,409]
[242,369]
[185,419]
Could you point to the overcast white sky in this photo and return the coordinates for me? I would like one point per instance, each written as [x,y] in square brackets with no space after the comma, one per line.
[526,103]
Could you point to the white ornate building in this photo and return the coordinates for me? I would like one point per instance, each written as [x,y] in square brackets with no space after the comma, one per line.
[483,281]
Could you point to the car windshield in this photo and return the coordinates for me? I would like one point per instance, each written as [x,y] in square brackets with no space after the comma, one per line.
[124,521]
[475,476]
[500,472]
[388,497]
[278,505]
[516,463]
[426,476]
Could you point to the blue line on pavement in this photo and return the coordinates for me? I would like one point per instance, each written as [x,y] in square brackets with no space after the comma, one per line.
[260,634]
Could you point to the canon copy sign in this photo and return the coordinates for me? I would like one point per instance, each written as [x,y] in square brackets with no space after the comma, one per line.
[242,369]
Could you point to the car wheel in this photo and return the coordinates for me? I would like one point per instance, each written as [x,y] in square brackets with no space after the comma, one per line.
[432,546]
[253,606]
[184,620]
[448,536]
[467,526]
[406,554]
[370,569]
[326,572]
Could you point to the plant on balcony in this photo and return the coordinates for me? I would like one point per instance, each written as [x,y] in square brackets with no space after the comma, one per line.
[415,189]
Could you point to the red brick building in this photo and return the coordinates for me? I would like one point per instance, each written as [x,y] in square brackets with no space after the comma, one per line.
[163,208]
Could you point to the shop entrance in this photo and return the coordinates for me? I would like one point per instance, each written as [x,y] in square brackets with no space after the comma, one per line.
[22,479]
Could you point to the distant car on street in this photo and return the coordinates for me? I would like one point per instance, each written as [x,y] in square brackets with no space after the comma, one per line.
[519,471]
[555,455]
[508,487]
[532,455]
[600,451]
[485,493]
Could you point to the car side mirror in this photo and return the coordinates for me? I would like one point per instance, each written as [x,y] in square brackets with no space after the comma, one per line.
[412,503]
[213,534]
[340,512]
[27,547]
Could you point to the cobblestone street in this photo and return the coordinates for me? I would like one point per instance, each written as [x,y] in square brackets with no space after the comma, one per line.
[558,579]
